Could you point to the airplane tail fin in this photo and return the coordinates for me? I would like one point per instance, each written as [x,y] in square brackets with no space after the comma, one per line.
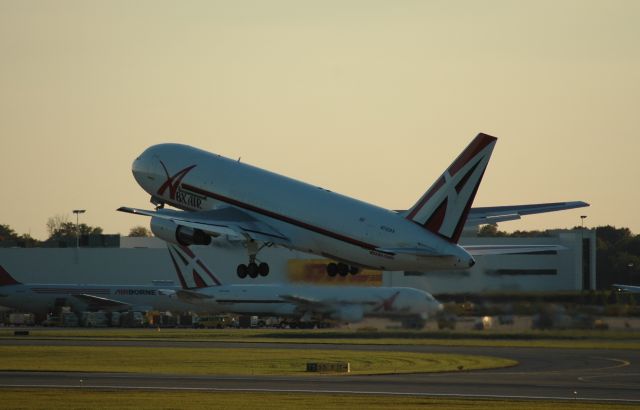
[191,270]
[6,279]
[444,208]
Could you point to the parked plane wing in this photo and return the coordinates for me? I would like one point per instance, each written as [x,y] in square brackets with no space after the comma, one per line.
[495,214]
[315,303]
[477,250]
[191,295]
[627,288]
[299,300]
[100,302]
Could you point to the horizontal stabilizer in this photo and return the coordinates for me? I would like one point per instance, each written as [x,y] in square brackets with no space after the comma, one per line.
[495,214]
[483,250]
[409,251]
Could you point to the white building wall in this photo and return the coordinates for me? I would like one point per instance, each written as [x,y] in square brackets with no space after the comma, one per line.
[490,272]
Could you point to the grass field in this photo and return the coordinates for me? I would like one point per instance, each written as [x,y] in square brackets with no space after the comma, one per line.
[83,399]
[571,339]
[202,361]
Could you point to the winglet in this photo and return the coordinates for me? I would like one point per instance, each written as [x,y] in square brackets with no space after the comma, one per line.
[185,261]
[444,208]
[6,279]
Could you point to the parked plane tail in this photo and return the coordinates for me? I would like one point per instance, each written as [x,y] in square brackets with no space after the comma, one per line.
[6,279]
[192,272]
[444,208]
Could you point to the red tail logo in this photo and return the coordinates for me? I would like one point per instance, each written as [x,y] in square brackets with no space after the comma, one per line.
[174,181]
[6,279]
[387,304]
[191,263]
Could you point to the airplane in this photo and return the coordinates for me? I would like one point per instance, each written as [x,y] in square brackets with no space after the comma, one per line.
[627,288]
[201,287]
[221,197]
[41,299]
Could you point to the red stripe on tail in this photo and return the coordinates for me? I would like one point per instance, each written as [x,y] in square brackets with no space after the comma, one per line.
[477,145]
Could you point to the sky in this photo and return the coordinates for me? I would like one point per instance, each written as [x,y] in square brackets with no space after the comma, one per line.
[372,99]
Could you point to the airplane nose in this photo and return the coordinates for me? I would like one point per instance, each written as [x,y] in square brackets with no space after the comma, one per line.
[472,262]
[146,169]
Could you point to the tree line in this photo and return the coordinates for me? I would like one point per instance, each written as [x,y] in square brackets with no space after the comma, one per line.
[59,228]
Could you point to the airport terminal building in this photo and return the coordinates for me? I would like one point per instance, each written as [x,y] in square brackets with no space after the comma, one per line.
[141,261]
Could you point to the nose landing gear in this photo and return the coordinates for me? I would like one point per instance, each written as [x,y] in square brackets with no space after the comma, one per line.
[341,269]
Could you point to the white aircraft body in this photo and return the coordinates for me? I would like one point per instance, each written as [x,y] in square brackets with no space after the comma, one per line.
[305,302]
[41,299]
[222,197]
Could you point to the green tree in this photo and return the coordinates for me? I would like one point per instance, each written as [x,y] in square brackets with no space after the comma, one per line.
[490,231]
[68,230]
[140,232]
[7,234]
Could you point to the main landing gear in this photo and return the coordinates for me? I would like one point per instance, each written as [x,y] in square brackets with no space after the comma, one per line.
[253,269]
[341,269]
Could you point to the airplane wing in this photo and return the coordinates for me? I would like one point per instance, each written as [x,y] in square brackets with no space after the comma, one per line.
[322,306]
[481,250]
[102,303]
[192,296]
[299,300]
[223,221]
[627,288]
[494,214]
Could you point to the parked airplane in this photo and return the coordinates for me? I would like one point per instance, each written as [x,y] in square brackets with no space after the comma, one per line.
[220,196]
[305,302]
[41,299]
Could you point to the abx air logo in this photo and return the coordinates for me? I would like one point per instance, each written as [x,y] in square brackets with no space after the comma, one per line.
[176,192]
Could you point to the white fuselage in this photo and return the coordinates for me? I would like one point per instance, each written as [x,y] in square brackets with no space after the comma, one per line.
[315,220]
[41,298]
[348,303]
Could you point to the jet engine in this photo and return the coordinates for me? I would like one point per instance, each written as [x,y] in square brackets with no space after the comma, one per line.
[177,234]
[351,314]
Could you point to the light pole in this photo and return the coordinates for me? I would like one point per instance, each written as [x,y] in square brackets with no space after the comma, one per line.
[582,259]
[78,212]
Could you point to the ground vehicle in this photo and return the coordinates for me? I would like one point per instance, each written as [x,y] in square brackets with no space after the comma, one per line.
[217,322]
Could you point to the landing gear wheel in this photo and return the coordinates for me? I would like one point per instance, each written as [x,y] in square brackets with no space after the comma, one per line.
[263,269]
[252,270]
[343,269]
[354,270]
[332,269]
[242,271]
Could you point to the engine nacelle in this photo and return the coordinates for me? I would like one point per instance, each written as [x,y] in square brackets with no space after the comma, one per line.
[179,235]
[351,314]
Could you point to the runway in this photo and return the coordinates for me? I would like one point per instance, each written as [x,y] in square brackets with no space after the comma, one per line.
[542,373]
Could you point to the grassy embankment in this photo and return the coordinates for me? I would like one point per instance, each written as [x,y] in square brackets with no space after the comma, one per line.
[573,339]
[200,361]
[76,399]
